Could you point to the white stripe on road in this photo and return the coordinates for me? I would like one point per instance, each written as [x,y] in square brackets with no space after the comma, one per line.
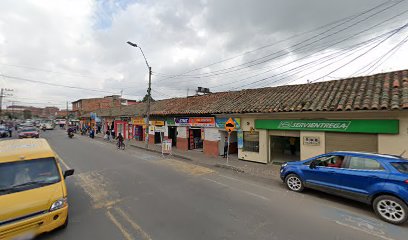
[247,192]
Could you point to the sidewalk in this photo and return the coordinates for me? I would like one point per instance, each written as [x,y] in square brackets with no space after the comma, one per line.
[269,171]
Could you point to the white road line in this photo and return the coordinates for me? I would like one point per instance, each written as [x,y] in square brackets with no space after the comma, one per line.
[115,221]
[247,192]
[63,163]
[145,236]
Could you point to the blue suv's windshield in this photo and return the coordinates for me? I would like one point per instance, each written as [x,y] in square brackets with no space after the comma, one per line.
[401,166]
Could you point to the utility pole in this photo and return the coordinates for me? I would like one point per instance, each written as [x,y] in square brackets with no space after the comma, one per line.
[2,95]
[148,93]
[1,100]
[66,121]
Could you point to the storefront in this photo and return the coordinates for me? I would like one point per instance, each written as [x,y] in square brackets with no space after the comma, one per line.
[223,134]
[193,129]
[123,126]
[292,140]
[139,127]
[171,130]
[157,130]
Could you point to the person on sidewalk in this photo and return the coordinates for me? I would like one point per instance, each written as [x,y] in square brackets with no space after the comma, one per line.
[225,147]
[107,135]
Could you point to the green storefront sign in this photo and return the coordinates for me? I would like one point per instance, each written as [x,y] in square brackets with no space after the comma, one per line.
[351,126]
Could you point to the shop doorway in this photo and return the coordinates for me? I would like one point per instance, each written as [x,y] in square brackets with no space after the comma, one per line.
[233,148]
[138,133]
[173,135]
[157,137]
[284,149]
[195,140]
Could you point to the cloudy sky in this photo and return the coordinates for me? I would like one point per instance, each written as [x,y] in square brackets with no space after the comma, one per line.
[53,51]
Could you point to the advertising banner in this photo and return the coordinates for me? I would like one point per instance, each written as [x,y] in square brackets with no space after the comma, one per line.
[240,137]
[220,122]
[185,121]
[202,122]
[353,126]
[138,121]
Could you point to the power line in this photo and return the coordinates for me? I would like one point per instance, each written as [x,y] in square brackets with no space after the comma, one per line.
[403,27]
[217,72]
[54,84]
[49,71]
[388,54]
[333,44]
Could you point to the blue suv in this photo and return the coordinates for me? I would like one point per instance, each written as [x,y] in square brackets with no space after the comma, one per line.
[376,179]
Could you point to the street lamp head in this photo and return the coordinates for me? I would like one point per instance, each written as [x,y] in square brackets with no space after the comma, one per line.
[132,44]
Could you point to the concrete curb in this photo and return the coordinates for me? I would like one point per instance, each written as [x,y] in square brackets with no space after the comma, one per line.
[229,167]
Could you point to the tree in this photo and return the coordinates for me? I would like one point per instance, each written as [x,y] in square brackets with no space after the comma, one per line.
[27,114]
[146,97]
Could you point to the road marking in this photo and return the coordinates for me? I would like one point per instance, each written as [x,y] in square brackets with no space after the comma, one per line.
[244,191]
[144,235]
[98,189]
[188,168]
[63,163]
[119,226]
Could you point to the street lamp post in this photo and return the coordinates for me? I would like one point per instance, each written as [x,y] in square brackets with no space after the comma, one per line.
[148,93]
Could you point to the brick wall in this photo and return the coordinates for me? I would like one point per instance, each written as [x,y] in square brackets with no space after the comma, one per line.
[182,144]
[211,148]
[151,138]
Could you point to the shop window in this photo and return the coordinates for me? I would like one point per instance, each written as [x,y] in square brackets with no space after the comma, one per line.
[251,141]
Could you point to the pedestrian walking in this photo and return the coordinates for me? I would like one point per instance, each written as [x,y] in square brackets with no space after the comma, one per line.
[225,147]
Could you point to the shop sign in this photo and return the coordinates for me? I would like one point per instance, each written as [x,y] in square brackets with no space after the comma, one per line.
[157,123]
[182,121]
[159,129]
[202,122]
[220,122]
[138,121]
[170,122]
[240,137]
[313,141]
[352,126]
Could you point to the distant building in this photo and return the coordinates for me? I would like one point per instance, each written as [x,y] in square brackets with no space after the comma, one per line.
[46,112]
[82,106]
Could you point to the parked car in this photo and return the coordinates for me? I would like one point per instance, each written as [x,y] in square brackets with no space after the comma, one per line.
[4,131]
[376,179]
[29,132]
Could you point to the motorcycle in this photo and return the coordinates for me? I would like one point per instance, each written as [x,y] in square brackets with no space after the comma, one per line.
[44,128]
[70,134]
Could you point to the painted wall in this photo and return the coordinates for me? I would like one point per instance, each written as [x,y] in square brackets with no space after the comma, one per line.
[262,155]
[307,151]
[395,144]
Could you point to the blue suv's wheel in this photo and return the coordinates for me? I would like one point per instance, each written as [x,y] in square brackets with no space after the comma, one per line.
[391,209]
[294,183]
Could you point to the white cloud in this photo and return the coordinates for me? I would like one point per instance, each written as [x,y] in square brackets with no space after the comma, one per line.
[83,43]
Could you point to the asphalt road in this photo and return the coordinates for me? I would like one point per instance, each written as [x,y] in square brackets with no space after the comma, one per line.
[134,194]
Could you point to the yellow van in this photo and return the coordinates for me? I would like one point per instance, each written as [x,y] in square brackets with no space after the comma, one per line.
[33,195]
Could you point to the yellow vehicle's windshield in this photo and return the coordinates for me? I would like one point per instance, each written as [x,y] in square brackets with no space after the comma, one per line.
[28,174]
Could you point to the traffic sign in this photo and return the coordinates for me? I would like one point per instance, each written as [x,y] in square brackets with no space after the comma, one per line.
[230,125]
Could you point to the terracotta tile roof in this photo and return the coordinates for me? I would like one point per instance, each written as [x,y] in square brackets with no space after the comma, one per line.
[384,91]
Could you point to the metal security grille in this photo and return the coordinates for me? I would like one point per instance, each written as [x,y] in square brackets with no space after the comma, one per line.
[351,142]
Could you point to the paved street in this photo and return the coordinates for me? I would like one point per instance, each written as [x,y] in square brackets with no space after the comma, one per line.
[134,194]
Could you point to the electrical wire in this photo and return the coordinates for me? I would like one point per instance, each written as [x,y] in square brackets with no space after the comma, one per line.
[54,84]
[285,51]
[372,65]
